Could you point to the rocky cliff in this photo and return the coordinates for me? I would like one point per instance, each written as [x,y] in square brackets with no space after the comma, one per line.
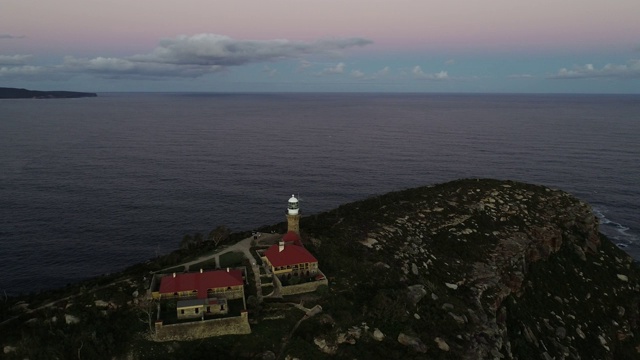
[470,269]
[481,269]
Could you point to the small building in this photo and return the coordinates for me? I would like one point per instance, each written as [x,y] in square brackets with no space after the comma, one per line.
[199,308]
[226,284]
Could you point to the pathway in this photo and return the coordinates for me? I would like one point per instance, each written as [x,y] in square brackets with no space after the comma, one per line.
[242,246]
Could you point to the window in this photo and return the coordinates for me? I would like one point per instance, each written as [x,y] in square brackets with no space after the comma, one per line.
[197,310]
[182,312]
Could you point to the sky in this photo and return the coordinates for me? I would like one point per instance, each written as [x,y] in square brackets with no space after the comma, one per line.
[464,46]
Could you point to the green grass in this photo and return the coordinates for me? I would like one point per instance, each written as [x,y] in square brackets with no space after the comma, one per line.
[231,258]
[209,264]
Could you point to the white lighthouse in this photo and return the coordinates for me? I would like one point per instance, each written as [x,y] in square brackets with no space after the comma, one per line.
[293,215]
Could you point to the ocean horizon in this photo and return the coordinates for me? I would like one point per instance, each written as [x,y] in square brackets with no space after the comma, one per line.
[92,185]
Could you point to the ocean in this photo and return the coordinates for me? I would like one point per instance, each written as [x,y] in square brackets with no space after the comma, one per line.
[89,186]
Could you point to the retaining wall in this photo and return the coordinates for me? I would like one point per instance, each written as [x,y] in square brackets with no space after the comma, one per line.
[238,325]
[301,288]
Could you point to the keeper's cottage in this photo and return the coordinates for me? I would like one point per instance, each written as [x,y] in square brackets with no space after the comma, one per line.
[289,257]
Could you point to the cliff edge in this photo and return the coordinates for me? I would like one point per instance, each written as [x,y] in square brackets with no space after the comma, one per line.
[469,269]
[482,269]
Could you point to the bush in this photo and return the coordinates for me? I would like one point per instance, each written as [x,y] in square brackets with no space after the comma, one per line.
[322,290]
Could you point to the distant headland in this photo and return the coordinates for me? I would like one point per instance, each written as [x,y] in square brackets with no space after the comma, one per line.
[15,93]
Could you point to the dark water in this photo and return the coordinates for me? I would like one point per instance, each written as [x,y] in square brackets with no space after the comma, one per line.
[89,186]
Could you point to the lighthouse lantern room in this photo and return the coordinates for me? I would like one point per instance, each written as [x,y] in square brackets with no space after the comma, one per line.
[293,215]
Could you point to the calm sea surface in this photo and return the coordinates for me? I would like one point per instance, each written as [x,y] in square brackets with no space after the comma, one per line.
[89,186]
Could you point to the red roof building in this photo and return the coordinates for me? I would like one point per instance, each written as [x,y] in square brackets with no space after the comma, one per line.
[201,285]
[293,238]
[289,257]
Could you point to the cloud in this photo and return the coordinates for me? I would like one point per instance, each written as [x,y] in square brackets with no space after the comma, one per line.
[14,59]
[357,74]
[29,72]
[116,68]
[420,74]
[197,55]
[219,50]
[376,75]
[382,72]
[450,62]
[9,36]
[334,70]
[15,67]
[611,71]
[521,76]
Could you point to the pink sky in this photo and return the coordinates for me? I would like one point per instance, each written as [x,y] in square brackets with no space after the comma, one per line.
[392,24]
[407,45]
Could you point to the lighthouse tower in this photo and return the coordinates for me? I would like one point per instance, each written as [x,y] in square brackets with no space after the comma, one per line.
[293,216]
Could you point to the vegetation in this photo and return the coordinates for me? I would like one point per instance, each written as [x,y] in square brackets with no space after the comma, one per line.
[219,234]
[231,259]
[433,239]
[209,264]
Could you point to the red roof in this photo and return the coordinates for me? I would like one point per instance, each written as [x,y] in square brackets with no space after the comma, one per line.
[292,237]
[200,281]
[291,255]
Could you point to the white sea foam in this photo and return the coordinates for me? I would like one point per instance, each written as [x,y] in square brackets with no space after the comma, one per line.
[621,234]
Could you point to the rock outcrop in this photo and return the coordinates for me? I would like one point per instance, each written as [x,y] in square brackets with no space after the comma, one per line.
[491,269]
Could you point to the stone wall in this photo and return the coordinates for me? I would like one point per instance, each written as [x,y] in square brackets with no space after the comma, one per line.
[238,325]
[293,223]
[300,288]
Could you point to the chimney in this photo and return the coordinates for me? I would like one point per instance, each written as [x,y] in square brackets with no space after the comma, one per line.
[174,274]
[280,246]
[200,270]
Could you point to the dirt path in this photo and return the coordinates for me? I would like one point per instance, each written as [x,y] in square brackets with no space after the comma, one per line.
[243,246]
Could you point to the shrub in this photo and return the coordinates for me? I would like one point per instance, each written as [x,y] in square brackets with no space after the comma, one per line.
[322,290]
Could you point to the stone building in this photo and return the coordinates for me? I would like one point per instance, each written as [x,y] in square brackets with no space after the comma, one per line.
[198,308]
[203,293]
[228,284]
[289,257]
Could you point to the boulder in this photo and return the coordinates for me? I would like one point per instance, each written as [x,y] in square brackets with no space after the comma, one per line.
[413,342]
[416,293]
[378,335]
[70,319]
[442,345]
